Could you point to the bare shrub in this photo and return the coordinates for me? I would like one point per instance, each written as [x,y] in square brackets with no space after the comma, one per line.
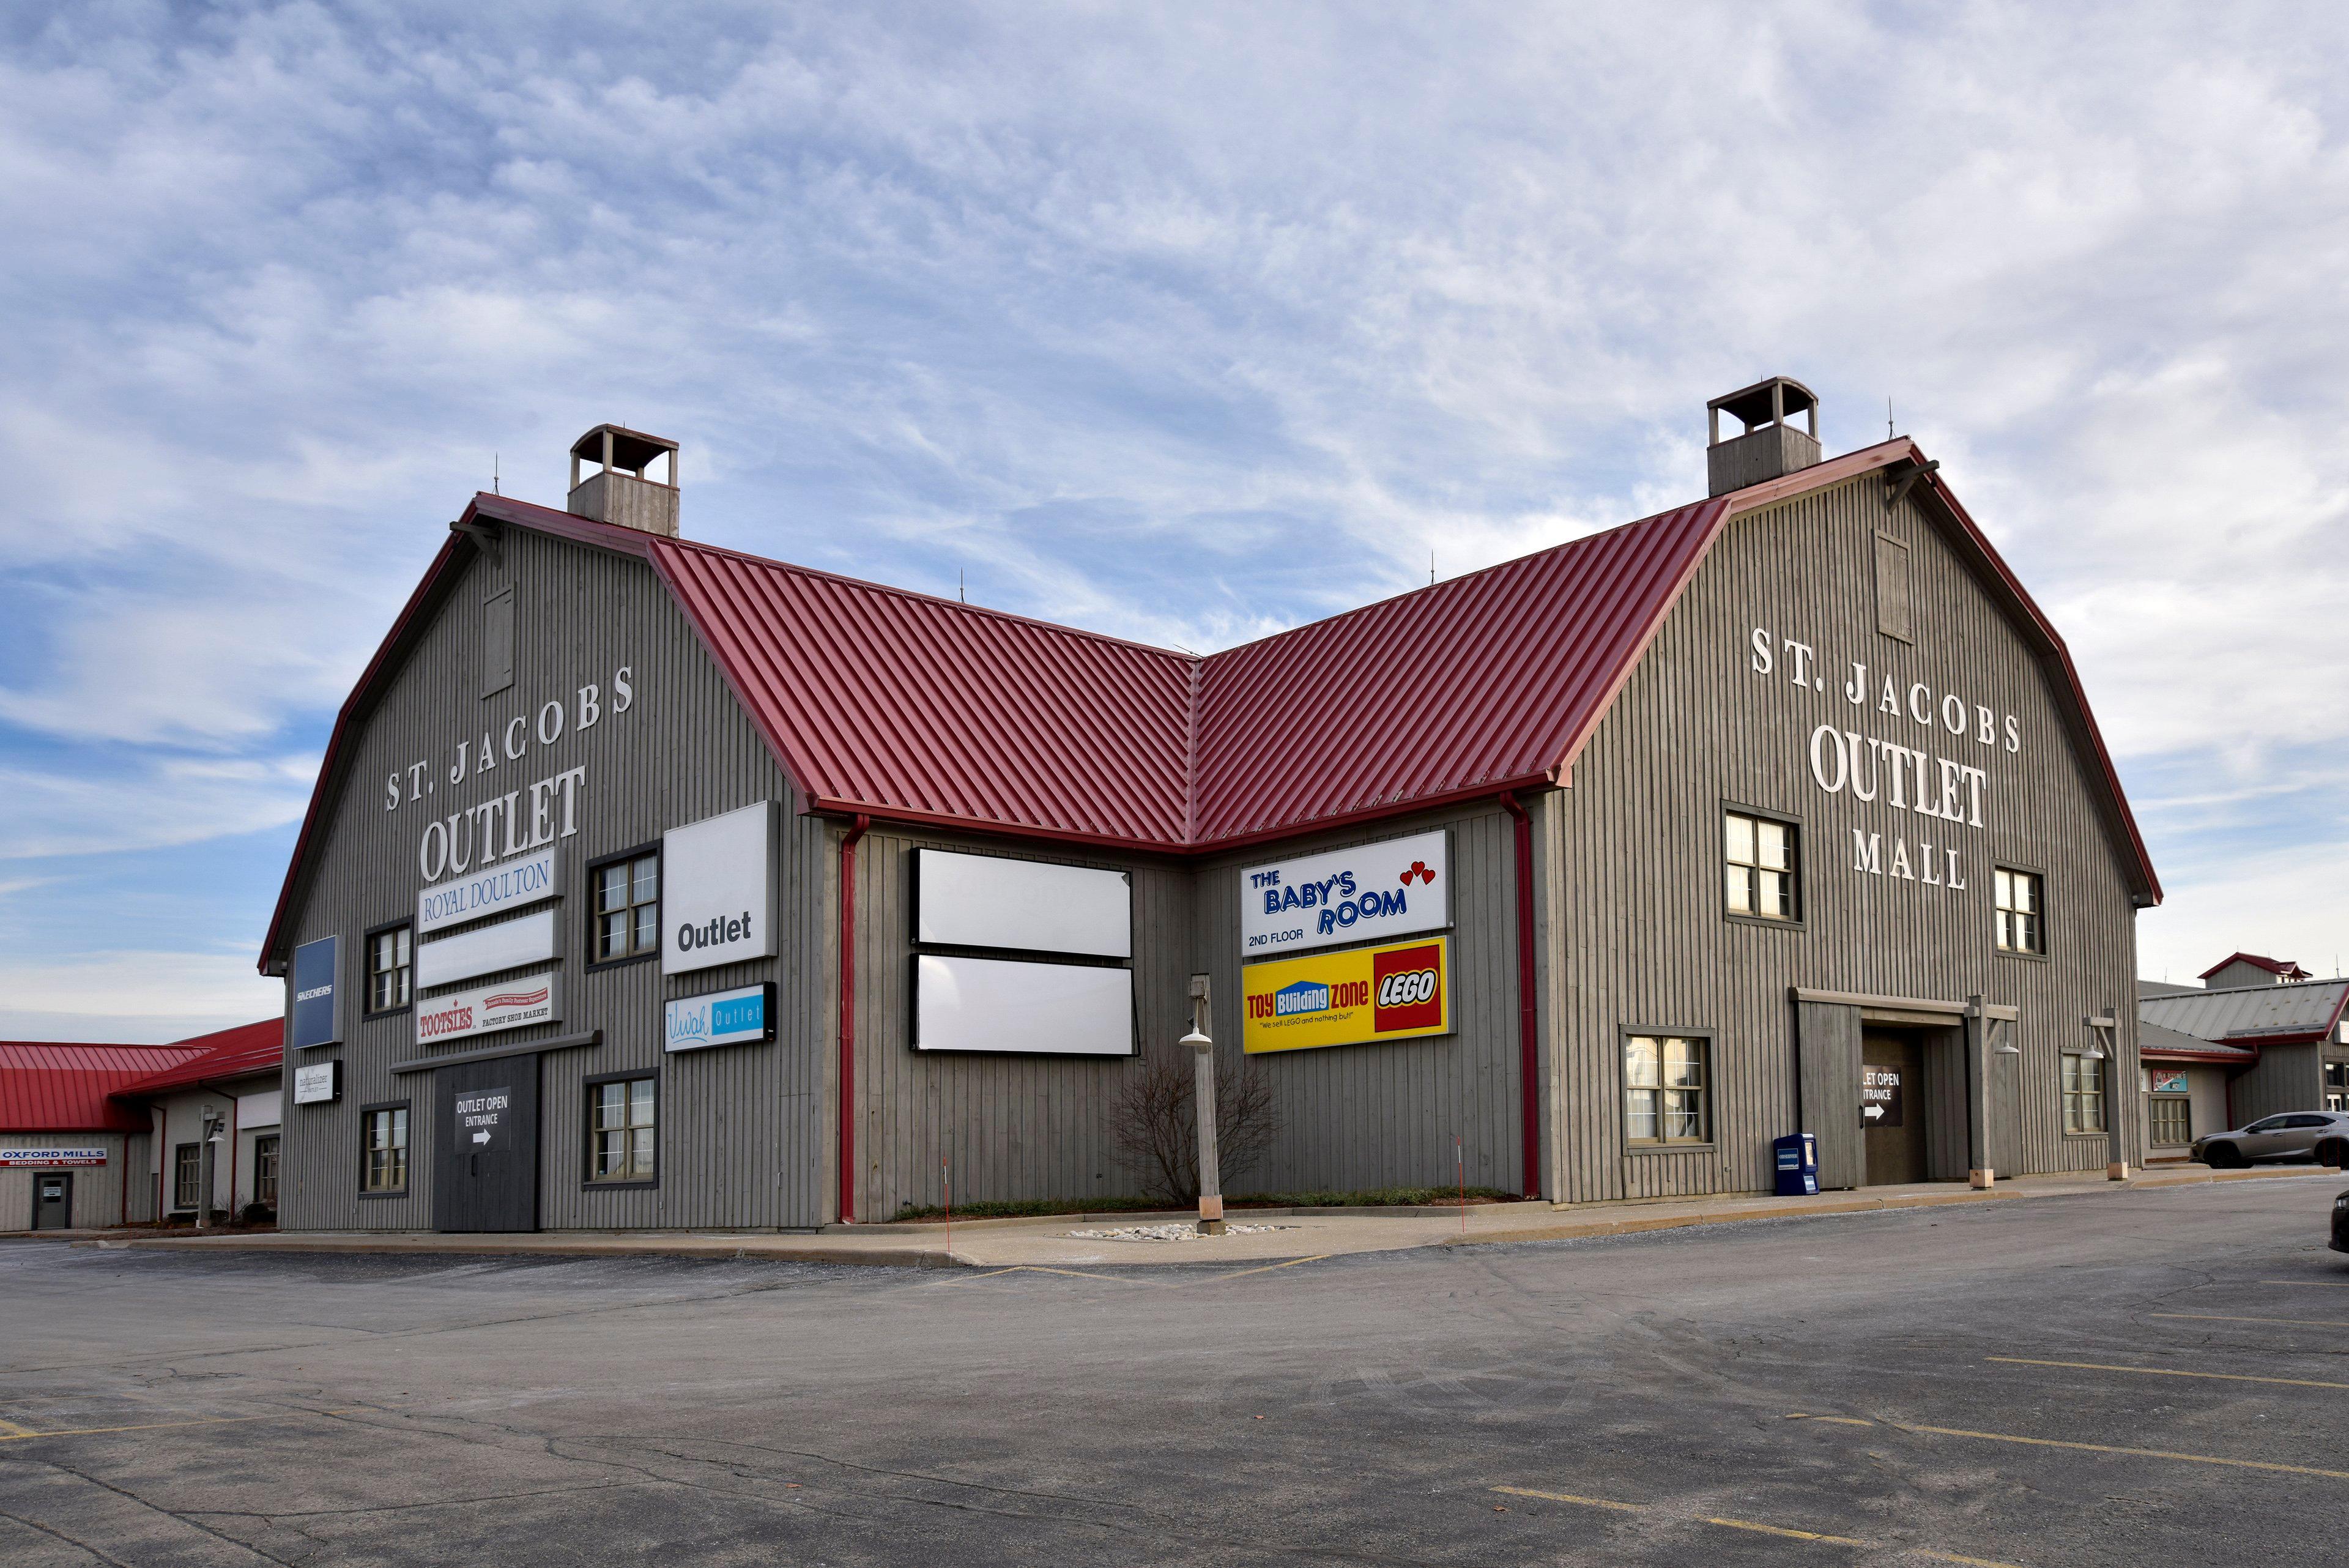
[1156,1124]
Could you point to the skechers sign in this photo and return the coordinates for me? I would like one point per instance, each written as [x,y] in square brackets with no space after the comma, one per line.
[1370,892]
[741,1017]
[515,884]
[316,1019]
[509,1004]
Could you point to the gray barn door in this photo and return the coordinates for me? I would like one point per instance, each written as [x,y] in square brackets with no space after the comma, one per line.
[1828,1051]
[486,1167]
[52,1200]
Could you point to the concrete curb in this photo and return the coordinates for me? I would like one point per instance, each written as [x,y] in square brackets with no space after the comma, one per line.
[437,1246]
[1161,1216]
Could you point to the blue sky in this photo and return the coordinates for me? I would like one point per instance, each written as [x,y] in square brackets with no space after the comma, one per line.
[1182,323]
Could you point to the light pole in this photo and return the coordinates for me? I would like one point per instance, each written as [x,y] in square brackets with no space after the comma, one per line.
[1211,1191]
[205,1166]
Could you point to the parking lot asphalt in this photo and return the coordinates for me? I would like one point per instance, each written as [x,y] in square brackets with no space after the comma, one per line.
[2149,1377]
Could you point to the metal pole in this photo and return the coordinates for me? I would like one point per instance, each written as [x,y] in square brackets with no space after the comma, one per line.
[2108,1030]
[204,1170]
[1202,1047]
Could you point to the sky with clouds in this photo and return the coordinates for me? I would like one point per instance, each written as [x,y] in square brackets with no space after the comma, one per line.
[1185,323]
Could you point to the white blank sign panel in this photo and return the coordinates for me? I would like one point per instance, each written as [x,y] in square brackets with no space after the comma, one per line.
[986,902]
[485,949]
[1005,1005]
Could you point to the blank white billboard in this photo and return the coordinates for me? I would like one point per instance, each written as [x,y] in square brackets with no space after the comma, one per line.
[988,901]
[485,949]
[1006,1005]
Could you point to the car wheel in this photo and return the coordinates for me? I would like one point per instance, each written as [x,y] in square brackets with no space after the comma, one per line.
[2328,1153]
[2227,1157]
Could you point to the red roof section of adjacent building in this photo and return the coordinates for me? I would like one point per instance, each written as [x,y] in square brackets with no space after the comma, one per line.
[51,1088]
[918,710]
[2283,966]
[225,1054]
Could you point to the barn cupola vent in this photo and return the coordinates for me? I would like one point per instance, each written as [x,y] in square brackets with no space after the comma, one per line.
[1769,446]
[629,477]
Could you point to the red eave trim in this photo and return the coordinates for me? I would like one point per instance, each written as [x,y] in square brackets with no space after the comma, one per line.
[2225,1058]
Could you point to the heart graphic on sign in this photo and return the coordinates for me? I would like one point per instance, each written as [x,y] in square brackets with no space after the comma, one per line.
[1418,869]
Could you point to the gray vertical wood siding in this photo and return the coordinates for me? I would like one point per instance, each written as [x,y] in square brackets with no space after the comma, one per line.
[98,1196]
[1640,931]
[741,1129]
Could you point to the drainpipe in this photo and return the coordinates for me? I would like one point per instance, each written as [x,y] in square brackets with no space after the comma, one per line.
[1529,1021]
[848,1018]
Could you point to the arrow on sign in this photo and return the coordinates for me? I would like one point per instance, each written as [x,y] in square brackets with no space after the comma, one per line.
[484,1138]
[1873,1113]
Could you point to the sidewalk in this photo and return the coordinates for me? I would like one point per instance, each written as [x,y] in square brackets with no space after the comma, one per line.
[1277,1235]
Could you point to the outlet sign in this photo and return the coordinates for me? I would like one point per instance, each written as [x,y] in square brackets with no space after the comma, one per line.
[742,1017]
[1365,893]
[718,891]
[316,971]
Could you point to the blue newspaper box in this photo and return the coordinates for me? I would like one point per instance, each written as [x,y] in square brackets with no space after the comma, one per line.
[1798,1164]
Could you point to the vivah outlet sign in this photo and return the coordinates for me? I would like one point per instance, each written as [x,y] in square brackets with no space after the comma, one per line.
[503,822]
[1935,769]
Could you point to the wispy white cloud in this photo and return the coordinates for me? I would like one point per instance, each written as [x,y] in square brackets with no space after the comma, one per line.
[150,806]
[1181,325]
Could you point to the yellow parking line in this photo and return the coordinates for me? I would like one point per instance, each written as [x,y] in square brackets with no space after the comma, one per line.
[2327,1284]
[1570,1497]
[1831,1420]
[10,1429]
[1778,1530]
[1267,1268]
[2135,1453]
[1789,1535]
[2222,1317]
[2167,1372]
[19,1433]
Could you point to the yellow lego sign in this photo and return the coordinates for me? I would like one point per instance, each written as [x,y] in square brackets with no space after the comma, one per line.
[1399,991]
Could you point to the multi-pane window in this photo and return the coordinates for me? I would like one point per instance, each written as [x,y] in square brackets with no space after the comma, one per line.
[265,1170]
[1761,867]
[1664,1088]
[390,963]
[621,1122]
[2083,1093]
[627,907]
[187,1175]
[2170,1121]
[386,1170]
[2021,916]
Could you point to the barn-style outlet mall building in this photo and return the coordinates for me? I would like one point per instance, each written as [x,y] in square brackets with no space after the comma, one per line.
[650,884]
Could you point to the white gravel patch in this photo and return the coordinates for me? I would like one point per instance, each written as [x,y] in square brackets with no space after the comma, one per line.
[1177,1231]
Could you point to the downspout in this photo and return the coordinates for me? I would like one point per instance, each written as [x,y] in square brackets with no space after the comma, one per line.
[1528,1019]
[848,1018]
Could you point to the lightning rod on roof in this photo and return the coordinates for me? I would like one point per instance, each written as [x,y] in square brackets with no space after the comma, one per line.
[1431,568]
[494,476]
[1888,419]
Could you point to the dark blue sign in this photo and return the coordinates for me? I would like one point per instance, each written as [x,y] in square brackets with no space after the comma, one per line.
[316,1019]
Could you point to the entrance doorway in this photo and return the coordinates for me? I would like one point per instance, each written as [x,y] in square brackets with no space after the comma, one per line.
[52,1200]
[485,1166]
[1892,1106]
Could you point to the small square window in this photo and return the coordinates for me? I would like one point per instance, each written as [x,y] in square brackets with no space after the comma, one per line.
[628,907]
[390,968]
[1759,852]
[1665,1089]
[621,1131]
[2021,897]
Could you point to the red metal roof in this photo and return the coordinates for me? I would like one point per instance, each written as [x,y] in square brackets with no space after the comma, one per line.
[1488,682]
[225,1054]
[920,709]
[53,1088]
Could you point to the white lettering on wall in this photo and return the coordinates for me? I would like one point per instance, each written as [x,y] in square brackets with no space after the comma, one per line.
[1875,771]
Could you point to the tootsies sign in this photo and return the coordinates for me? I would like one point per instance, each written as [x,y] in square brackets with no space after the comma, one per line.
[1368,891]
[485,1009]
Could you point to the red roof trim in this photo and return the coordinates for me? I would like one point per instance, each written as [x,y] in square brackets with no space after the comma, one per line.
[2273,966]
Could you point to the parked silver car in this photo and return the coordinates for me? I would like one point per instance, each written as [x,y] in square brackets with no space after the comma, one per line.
[2320,1136]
